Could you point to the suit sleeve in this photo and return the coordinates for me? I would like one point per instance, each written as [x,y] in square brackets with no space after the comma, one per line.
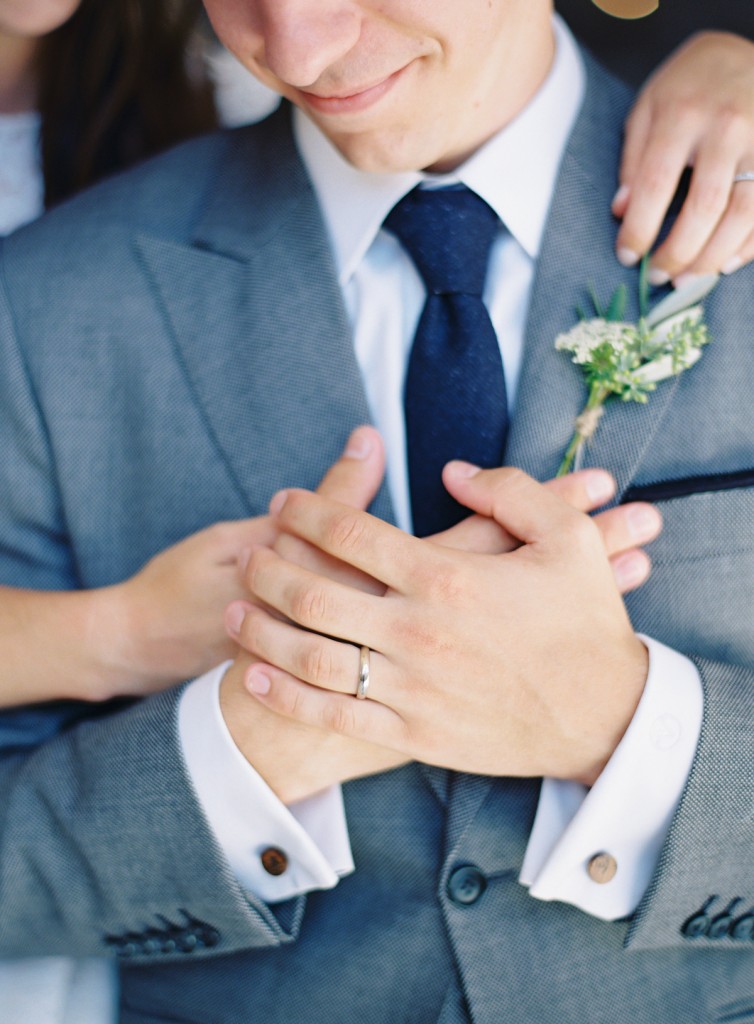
[103,845]
[703,887]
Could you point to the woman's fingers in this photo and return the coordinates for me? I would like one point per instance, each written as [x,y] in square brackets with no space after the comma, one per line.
[696,111]
[732,243]
[664,157]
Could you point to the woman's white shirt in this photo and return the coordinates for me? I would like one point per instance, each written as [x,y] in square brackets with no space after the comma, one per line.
[21,187]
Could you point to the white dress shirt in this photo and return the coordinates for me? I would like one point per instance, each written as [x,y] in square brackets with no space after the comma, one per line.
[628,811]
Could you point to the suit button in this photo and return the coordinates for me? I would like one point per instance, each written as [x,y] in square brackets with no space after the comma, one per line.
[207,935]
[153,941]
[204,933]
[129,945]
[186,941]
[698,923]
[602,868]
[175,939]
[743,927]
[720,924]
[466,885]
[274,861]
[696,926]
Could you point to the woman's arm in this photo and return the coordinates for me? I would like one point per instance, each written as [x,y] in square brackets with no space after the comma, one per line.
[159,627]
[697,110]
[164,624]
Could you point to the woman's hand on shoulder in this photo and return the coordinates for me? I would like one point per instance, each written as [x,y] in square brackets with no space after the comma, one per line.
[697,110]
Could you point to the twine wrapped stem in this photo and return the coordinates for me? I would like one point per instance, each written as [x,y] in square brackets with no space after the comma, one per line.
[586,424]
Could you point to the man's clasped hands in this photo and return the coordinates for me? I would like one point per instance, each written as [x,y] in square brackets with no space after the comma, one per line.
[500,647]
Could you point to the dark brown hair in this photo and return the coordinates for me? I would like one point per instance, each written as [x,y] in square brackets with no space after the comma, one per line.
[115,86]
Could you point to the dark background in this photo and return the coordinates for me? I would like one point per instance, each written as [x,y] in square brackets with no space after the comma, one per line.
[633,48]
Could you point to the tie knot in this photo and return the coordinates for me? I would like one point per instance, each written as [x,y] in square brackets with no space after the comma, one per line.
[448,233]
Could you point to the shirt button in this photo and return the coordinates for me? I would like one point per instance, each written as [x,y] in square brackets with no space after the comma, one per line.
[274,861]
[602,868]
[466,885]
[666,731]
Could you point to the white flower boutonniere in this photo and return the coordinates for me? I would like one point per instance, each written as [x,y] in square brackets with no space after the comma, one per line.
[627,360]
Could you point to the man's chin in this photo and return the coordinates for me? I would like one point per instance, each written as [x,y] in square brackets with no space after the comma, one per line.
[377,153]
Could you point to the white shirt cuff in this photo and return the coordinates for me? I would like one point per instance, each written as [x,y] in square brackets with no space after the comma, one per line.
[245,815]
[627,812]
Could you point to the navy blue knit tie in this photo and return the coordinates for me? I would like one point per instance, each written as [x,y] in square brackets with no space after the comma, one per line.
[454,397]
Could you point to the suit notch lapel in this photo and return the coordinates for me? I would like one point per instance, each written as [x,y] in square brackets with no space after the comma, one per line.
[203,296]
[576,254]
[257,318]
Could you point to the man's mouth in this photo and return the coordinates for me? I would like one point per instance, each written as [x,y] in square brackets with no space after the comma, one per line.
[353,100]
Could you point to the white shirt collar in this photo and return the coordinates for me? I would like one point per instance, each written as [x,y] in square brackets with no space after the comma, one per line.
[514,172]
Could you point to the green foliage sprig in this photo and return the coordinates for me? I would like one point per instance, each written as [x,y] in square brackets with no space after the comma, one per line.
[627,360]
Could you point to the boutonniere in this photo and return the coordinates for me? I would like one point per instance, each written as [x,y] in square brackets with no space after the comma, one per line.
[627,360]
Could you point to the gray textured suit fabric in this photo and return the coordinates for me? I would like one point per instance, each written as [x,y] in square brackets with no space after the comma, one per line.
[174,348]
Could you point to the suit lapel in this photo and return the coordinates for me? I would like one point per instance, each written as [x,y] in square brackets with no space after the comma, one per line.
[577,251]
[257,318]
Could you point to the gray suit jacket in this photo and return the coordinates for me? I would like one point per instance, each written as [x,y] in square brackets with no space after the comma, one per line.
[174,349]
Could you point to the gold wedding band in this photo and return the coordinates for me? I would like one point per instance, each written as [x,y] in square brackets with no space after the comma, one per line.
[363,686]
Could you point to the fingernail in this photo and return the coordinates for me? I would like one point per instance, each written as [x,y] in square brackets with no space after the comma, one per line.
[627,257]
[599,487]
[657,276]
[683,279]
[258,682]
[463,469]
[359,444]
[234,616]
[629,571]
[620,196]
[733,264]
[643,521]
[277,503]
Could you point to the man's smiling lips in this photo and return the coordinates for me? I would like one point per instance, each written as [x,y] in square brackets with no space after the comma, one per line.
[353,102]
